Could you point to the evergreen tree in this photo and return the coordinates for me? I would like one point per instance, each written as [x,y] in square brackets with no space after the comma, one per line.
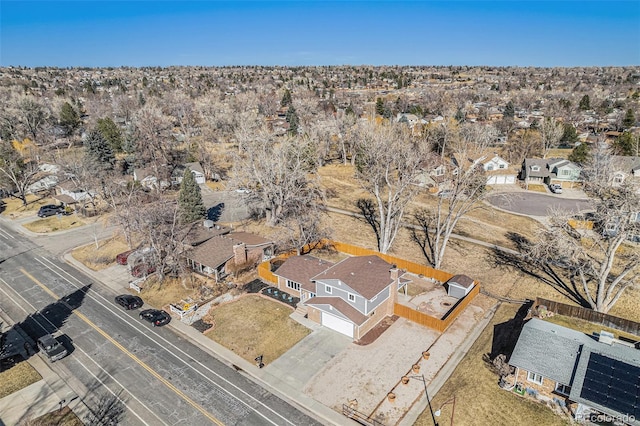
[69,119]
[293,120]
[585,103]
[509,110]
[98,151]
[286,99]
[190,205]
[379,106]
[111,133]
[626,144]
[629,119]
[580,154]
[569,134]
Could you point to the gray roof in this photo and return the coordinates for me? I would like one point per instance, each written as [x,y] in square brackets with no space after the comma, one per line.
[542,163]
[562,354]
[367,275]
[548,349]
[625,164]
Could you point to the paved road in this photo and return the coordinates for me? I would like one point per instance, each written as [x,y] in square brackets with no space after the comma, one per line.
[162,378]
[534,204]
[224,206]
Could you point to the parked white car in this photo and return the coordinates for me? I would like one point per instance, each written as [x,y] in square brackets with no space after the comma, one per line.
[556,188]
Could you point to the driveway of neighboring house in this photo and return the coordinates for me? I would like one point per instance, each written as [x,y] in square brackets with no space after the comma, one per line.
[224,206]
[535,204]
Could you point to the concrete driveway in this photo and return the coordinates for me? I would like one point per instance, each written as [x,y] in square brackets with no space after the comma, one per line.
[309,356]
[536,204]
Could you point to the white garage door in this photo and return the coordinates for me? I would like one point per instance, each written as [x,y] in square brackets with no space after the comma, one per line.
[511,180]
[337,324]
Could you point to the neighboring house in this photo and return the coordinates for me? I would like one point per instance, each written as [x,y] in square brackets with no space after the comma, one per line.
[587,372]
[196,169]
[219,255]
[497,170]
[68,193]
[350,297]
[625,167]
[551,170]
[148,179]
[410,119]
[198,232]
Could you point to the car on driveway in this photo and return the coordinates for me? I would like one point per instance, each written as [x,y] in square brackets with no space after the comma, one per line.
[156,317]
[52,348]
[556,188]
[129,301]
[50,210]
[142,270]
[122,258]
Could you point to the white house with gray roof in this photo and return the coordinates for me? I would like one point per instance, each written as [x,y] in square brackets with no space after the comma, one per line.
[550,170]
[587,373]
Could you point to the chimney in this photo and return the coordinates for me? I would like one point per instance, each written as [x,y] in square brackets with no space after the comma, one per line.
[394,273]
[240,254]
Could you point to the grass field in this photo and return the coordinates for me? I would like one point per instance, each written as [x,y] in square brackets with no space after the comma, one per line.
[53,224]
[100,257]
[17,377]
[478,398]
[537,188]
[64,417]
[253,325]
[13,208]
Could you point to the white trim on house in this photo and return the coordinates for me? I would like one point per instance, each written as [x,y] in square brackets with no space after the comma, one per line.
[534,378]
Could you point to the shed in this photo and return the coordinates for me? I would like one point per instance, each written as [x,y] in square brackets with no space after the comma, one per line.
[459,286]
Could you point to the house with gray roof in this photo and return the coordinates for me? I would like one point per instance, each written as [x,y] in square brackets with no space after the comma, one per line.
[350,297]
[588,374]
[544,171]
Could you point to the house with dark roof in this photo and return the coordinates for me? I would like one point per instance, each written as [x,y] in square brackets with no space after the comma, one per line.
[590,374]
[550,170]
[350,297]
[219,255]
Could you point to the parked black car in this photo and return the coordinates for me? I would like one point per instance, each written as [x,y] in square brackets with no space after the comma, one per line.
[50,210]
[129,301]
[155,316]
[52,348]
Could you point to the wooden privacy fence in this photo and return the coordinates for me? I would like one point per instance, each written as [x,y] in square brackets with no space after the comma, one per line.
[432,322]
[590,315]
[264,269]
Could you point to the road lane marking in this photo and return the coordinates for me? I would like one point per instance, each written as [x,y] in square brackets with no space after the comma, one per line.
[5,234]
[85,354]
[175,350]
[104,334]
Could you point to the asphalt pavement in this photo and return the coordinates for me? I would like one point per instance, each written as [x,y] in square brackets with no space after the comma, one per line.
[537,204]
[158,374]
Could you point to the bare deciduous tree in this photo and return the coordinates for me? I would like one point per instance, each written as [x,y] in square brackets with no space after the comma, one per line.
[550,132]
[600,258]
[387,164]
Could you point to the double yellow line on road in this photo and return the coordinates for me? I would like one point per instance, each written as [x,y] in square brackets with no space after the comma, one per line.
[129,354]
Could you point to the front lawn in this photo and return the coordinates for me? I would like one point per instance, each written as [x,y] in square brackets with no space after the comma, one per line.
[53,224]
[13,208]
[171,290]
[478,398]
[253,326]
[64,417]
[17,377]
[100,257]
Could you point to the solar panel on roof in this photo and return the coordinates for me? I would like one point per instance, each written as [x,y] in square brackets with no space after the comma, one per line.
[612,384]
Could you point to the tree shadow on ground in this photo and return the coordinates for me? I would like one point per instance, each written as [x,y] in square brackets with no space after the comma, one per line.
[505,335]
[18,343]
[564,283]
[215,212]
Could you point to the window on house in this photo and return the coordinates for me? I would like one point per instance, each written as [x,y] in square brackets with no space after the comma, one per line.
[352,297]
[618,179]
[439,171]
[328,289]
[564,172]
[502,166]
[535,168]
[294,285]
[312,295]
[563,389]
[489,167]
[535,378]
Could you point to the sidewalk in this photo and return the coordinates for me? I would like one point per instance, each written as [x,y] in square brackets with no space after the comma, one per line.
[38,398]
[117,278]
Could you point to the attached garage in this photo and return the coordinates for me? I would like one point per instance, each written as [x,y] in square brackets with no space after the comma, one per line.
[501,179]
[338,324]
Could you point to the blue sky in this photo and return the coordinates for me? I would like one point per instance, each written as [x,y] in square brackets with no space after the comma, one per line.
[163,33]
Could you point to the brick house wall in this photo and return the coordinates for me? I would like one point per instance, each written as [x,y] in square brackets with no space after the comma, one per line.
[380,313]
[546,389]
[314,314]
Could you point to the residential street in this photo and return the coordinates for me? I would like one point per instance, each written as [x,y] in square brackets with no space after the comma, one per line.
[161,377]
[534,204]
